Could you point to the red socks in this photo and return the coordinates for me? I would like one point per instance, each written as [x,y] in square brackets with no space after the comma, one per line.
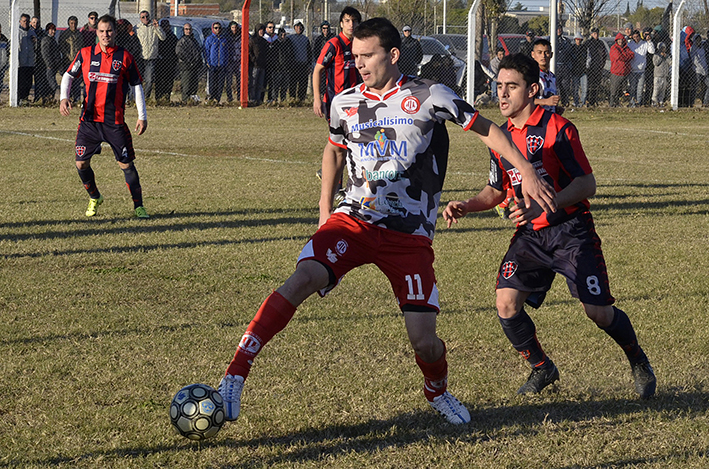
[272,317]
[435,375]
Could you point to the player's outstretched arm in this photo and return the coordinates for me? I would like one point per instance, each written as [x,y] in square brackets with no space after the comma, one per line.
[317,102]
[484,200]
[333,162]
[142,125]
[65,87]
[533,187]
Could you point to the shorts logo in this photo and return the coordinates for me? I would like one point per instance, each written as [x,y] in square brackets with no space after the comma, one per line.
[508,269]
[410,105]
[80,150]
[116,65]
[331,256]
[341,247]
[95,63]
[534,143]
[250,344]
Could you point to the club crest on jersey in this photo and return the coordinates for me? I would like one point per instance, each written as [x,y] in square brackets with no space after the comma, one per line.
[117,65]
[508,269]
[410,105]
[80,150]
[534,143]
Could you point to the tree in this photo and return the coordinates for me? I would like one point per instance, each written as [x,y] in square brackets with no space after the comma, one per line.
[589,11]
[519,7]
[642,17]
[540,25]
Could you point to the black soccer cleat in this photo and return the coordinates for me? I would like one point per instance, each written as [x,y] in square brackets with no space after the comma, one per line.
[645,381]
[539,379]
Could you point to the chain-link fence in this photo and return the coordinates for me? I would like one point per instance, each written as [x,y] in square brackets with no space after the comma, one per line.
[195,60]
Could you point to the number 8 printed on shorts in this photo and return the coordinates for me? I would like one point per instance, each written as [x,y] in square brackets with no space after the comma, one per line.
[593,286]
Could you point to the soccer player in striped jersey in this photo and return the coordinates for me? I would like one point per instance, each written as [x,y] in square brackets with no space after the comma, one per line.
[108,71]
[390,132]
[544,244]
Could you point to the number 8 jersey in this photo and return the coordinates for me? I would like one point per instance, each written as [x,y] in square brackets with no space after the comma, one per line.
[397,151]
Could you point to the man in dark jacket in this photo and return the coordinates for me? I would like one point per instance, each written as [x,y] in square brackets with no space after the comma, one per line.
[598,55]
[258,47]
[411,53]
[189,55]
[216,54]
[579,53]
[52,59]
[70,43]
[165,66]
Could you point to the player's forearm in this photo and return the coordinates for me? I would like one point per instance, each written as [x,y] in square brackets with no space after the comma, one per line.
[317,72]
[486,199]
[579,189]
[333,162]
[492,136]
[67,80]
[140,102]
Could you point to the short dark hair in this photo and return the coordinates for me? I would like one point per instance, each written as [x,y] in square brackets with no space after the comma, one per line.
[72,18]
[541,41]
[523,64]
[50,26]
[25,15]
[108,19]
[93,13]
[352,12]
[383,29]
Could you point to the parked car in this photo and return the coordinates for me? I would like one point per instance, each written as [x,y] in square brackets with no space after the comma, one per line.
[440,65]
[458,45]
[201,26]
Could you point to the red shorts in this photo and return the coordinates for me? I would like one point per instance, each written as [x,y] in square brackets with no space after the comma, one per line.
[344,243]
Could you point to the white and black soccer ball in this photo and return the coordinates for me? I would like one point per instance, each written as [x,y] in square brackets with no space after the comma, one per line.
[197,412]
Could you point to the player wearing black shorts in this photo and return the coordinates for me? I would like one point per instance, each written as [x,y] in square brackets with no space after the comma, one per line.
[563,242]
[108,71]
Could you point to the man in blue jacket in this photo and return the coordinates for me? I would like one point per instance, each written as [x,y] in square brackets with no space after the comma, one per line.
[216,53]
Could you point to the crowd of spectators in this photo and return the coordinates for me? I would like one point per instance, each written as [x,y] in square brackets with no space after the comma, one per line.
[280,64]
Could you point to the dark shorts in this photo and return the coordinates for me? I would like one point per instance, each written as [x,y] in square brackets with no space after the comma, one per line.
[91,134]
[344,243]
[572,249]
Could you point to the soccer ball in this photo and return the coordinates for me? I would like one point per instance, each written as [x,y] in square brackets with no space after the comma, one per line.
[197,412]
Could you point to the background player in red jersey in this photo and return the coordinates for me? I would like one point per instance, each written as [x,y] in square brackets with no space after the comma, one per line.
[107,71]
[391,132]
[545,244]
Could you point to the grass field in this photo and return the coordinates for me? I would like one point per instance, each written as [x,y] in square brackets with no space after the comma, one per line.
[104,319]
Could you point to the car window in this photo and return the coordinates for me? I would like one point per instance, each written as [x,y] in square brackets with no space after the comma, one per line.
[431,46]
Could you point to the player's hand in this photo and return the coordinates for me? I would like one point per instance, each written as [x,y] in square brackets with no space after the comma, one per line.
[155,23]
[317,107]
[65,107]
[324,216]
[455,209]
[537,189]
[553,100]
[522,215]
[141,126]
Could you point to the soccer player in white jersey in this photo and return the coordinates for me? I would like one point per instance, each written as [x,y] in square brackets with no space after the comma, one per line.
[390,131]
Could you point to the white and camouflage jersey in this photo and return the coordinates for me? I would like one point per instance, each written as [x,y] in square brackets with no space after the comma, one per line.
[397,151]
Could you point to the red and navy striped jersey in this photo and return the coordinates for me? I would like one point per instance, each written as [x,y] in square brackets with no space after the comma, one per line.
[551,143]
[107,77]
[341,72]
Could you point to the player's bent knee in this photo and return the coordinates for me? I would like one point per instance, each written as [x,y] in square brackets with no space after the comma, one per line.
[601,315]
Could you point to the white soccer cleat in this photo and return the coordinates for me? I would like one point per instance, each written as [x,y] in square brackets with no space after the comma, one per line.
[451,408]
[230,388]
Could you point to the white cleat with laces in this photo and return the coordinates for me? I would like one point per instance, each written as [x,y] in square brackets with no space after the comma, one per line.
[450,408]
[230,389]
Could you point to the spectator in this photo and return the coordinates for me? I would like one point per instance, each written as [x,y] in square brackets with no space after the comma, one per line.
[648,35]
[687,75]
[563,66]
[300,67]
[283,61]
[548,97]
[270,36]
[88,31]
[621,57]
[257,64]
[597,61]
[27,38]
[52,58]
[318,43]
[662,62]
[636,78]
[126,38]
[233,36]
[70,43]
[628,31]
[189,55]
[527,44]
[166,64]
[411,53]
[579,53]
[699,59]
[216,52]
[269,33]
[494,68]
[41,87]
[149,34]
[4,53]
